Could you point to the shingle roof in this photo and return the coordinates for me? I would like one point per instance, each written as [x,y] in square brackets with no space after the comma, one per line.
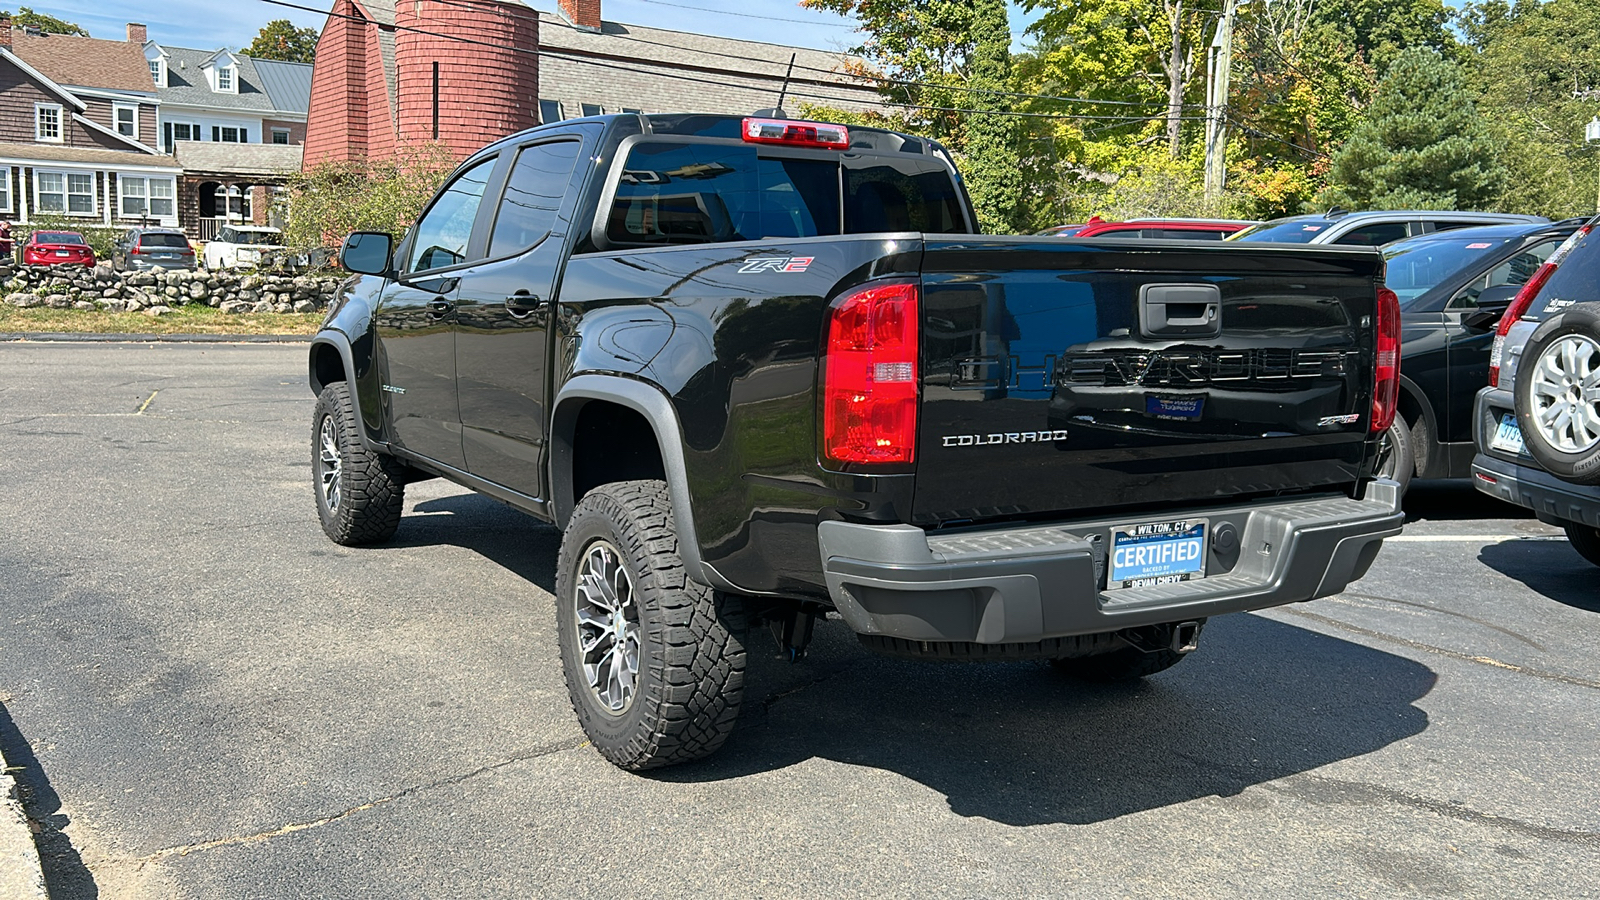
[381,11]
[108,158]
[85,62]
[186,82]
[212,158]
[288,84]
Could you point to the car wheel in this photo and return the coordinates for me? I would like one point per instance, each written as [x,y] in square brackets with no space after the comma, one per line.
[1558,394]
[654,661]
[1396,457]
[360,492]
[1586,540]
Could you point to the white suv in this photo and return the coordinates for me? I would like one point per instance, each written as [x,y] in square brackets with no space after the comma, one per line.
[242,245]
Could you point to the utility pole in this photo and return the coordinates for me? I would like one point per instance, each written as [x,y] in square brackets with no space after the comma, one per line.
[1219,64]
[1591,133]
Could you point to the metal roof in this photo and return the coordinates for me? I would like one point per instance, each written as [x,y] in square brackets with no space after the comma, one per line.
[288,84]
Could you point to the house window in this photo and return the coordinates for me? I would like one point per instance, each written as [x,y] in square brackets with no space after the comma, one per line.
[229,135]
[47,122]
[127,120]
[64,192]
[632,111]
[225,79]
[592,109]
[232,202]
[180,131]
[143,196]
[280,135]
[5,189]
[550,111]
[157,70]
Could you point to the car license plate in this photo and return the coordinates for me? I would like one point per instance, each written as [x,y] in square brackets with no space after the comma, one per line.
[1152,553]
[63,253]
[1508,437]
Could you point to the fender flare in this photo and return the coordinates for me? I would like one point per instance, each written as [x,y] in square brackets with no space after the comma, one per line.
[648,401]
[341,345]
[1420,397]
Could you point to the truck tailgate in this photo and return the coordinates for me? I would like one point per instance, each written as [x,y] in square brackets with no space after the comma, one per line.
[1064,377]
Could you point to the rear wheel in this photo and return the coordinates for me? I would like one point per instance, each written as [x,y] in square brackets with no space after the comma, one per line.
[654,661]
[1396,457]
[1585,540]
[1557,394]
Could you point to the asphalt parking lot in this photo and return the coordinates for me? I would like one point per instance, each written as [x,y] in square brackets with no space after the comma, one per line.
[208,699]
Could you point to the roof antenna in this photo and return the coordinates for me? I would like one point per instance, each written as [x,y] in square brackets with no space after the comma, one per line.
[777,111]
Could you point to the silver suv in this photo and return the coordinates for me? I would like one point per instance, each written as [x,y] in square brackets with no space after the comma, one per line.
[1370,229]
[1537,424]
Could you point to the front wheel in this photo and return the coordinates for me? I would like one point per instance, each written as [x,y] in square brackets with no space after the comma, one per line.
[654,661]
[360,492]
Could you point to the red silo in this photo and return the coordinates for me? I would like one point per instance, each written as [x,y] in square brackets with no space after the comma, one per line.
[486,57]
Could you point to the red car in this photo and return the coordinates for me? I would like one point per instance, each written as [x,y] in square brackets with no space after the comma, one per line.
[1171,229]
[57,248]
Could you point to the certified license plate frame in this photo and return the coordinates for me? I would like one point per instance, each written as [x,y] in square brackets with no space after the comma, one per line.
[1157,532]
[1503,440]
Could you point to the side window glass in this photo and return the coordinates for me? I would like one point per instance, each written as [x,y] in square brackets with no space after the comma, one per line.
[532,202]
[1514,271]
[440,238]
[1374,235]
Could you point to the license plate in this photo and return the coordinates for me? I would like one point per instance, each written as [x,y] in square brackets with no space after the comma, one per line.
[1152,553]
[62,253]
[1180,408]
[1508,437]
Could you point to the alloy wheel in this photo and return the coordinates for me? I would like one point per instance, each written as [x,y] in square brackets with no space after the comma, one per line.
[332,465]
[608,627]
[1566,394]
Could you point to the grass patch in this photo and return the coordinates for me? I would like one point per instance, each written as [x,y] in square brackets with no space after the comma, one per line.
[188,319]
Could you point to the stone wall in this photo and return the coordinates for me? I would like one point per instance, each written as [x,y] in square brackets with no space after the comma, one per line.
[156,291]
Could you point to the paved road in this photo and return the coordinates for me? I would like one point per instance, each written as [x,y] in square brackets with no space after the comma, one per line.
[212,700]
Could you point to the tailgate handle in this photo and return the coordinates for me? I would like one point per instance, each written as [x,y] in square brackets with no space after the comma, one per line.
[1180,310]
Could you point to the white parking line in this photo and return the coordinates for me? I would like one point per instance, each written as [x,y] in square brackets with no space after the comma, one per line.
[1474,538]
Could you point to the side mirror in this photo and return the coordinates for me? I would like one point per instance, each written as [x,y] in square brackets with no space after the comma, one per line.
[1492,304]
[367,253]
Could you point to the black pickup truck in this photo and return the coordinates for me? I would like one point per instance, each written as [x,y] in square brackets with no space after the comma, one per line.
[761,371]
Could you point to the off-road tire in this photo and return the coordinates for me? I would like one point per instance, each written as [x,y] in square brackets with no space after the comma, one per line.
[1401,461]
[371,485]
[1586,540]
[691,637]
[1581,467]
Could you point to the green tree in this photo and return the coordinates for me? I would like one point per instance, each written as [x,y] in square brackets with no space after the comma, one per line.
[331,199]
[280,39]
[1422,145]
[25,17]
[1538,72]
[1380,29]
[991,156]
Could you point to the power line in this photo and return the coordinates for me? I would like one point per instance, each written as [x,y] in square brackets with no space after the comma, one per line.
[720,12]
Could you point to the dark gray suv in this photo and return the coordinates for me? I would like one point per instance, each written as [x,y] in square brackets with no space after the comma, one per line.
[146,248]
[1537,424]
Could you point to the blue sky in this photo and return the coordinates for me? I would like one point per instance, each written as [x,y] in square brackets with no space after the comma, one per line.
[234,23]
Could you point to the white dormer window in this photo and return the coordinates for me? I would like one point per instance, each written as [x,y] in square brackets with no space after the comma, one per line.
[225,79]
[157,58]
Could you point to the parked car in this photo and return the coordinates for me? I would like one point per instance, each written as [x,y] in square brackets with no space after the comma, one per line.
[1453,286]
[759,370]
[1171,229]
[57,248]
[242,245]
[1537,424]
[146,248]
[1060,230]
[1370,229]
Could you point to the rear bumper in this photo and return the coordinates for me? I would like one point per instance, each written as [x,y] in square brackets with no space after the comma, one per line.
[1026,584]
[134,264]
[1554,501]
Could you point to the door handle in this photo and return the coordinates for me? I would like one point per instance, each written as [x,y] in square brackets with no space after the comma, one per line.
[439,308]
[523,301]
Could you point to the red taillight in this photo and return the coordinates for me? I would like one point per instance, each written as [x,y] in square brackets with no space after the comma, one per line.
[1524,299]
[869,377]
[1386,383]
[796,134]
[134,250]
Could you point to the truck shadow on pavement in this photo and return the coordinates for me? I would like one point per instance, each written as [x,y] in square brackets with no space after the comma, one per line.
[1455,499]
[65,875]
[1018,744]
[1552,568]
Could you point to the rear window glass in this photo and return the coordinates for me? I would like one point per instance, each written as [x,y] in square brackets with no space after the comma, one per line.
[256,238]
[677,193]
[1575,280]
[162,240]
[57,237]
[704,193]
